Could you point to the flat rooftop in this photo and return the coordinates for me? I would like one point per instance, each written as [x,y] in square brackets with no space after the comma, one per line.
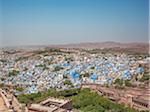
[41,108]
[54,101]
[49,105]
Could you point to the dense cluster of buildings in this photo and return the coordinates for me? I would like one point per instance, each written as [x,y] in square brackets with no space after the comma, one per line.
[43,71]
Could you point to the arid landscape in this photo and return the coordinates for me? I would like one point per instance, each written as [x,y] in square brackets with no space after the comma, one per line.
[74,56]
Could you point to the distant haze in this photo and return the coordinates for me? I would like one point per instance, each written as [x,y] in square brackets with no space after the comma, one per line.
[46,22]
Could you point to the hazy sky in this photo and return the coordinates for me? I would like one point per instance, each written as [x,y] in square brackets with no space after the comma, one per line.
[38,22]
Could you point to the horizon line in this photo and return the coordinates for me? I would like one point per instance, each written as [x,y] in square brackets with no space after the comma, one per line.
[75,43]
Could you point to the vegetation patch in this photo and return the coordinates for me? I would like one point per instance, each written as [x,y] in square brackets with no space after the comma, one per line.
[84,100]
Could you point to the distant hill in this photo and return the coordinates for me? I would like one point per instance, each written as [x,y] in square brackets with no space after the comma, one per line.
[131,47]
[113,46]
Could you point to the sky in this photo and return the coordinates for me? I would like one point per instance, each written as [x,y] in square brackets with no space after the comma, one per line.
[45,22]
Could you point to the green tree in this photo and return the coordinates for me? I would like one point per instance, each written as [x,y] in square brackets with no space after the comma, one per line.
[119,82]
[58,68]
[68,82]
[20,89]
[13,73]
[128,83]
[85,74]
